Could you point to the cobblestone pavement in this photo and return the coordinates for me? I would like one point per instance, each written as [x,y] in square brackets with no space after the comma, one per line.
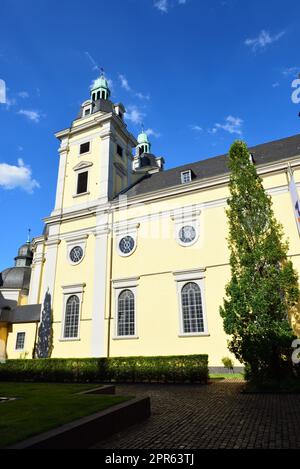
[212,416]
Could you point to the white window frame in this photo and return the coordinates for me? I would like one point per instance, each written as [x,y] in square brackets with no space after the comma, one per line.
[87,108]
[183,174]
[196,276]
[186,216]
[83,167]
[119,286]
[74,241]
[121,232]
[20,349]
[68,291]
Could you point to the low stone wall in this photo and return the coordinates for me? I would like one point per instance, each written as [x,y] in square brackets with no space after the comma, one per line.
[87,431]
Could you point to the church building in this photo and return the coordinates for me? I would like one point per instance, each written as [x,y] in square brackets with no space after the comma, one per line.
[133,260]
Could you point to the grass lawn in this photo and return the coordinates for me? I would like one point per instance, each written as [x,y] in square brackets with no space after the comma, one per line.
[41,407]
[226,376]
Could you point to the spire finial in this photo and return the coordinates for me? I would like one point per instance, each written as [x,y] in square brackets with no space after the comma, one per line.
[102,71]
[28,237]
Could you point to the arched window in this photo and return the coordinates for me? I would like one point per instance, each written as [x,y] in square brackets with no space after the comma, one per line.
[126,314]
[98,95]
[72,318]
[192,313]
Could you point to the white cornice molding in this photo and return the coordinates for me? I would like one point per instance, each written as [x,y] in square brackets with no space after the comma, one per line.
[83,165]
[52,242]
[129,282]
[192,274]
[75,288]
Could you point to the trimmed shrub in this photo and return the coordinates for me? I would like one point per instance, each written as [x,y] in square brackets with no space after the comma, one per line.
[173,369]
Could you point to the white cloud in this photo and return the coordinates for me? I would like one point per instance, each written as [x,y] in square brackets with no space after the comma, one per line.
[151,132]
[263,40]
[162,5]
[196,128]
[291,71]
[125,85]
[23,94]
[134,115]
[276,84]
[233,125]
[12,177]
[34,116]
[124,82]
[92,61]
[142,96]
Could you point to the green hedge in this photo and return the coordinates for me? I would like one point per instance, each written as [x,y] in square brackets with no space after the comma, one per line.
[173,369]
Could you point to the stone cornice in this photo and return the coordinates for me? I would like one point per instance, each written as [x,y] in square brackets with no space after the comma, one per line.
[98,119]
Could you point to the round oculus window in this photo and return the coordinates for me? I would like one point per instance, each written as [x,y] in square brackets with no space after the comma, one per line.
[126,245]
[76,254]
[187,234]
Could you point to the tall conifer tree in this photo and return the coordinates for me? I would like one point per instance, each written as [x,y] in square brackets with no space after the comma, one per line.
[264,285]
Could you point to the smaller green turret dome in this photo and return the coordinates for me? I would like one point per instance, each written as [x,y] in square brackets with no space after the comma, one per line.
[143,138]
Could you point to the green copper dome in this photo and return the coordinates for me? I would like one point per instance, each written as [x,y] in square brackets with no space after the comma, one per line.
[143,138]
[100,85]
[101,82]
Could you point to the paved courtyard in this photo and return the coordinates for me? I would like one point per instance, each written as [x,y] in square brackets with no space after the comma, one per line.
[212,416]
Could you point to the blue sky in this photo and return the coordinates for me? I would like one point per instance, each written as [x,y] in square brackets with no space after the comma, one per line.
[198,74]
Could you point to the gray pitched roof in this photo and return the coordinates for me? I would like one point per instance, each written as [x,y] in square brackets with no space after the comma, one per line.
[265,153]
[21,314]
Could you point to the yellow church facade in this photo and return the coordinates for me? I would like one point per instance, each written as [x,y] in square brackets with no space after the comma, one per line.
[133,260]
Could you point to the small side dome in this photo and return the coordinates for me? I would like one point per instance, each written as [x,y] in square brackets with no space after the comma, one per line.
[25,256]
[16,278]
[25,250]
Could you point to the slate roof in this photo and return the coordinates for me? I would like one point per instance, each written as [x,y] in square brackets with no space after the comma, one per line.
[21,314]
[265,153]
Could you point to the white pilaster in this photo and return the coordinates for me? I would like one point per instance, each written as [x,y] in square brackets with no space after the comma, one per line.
[63,150]
[36,272]
[106,164]
[100,286]
[49,272]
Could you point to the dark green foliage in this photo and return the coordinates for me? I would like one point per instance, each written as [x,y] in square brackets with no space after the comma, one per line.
[190,368]
[264,286]
[44,343]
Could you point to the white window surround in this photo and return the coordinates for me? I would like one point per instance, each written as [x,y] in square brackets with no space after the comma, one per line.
[182,278]
[68,291]
[84,166]
[23,348]
[186,176]
[72,242]
[119,286]
[126,230]
[186,217]
[85,109]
